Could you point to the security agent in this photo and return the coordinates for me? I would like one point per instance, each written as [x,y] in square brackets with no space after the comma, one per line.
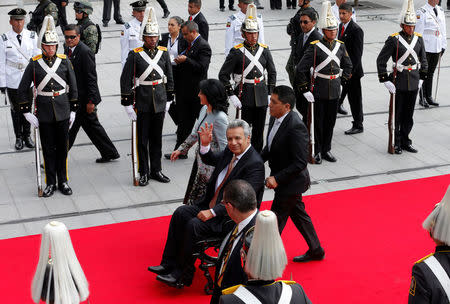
[89,31]
[51,74]
[149,70]
[430,275]
[129,36]
[17,47]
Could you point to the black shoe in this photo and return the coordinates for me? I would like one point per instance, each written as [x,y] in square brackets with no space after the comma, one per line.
[29,142]
[143,181]
[160,177]
[424,103]
[168,279]
[65,189]
[181,156]
[398,150]
[166,14]
[318,158]
[260,7]
[120,22]
[49,190]
[222,9]
[102,159]
[105,24]
[329,157]
[354,130]
[431,102]
[311,255]
[160,269]
[19,144]
[341,110]
[232,9]
[410,148]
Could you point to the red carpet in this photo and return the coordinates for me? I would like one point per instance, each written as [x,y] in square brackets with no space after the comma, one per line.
[371,236]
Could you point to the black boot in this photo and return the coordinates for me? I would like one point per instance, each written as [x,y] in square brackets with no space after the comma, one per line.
[28,142]
[19,144]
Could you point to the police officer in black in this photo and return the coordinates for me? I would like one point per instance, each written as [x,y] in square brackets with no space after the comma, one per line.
[247,62]
[148,68]
[44,8]
[407,51]
[51,75]
[327,57]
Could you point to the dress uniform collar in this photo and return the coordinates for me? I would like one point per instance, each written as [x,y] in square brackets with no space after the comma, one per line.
[327,43]
[441,248]
[259,282]
[249,47]
[406,36]
[152,51]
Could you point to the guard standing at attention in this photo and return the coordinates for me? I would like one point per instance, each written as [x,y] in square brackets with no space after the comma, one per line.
[149,71]
[51,74]
[89,31]
[44,8]
[129,37]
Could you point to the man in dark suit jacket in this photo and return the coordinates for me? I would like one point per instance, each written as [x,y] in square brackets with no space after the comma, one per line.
[287,153]
[195,15]
[208,217]
[83,62]
[308,20]
[240,201]
[353,37]
[193,64]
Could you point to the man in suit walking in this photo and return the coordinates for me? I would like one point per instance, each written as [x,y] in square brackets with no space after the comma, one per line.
[287,153]
[353,37]
[240,201]
[193,64]
[83,62]
[195,15]
[208,217]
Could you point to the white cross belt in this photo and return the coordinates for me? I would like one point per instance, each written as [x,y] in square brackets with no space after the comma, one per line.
[51,73]
[152,65]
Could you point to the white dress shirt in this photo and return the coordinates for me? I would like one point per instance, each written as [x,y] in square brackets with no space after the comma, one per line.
[274,130]
[172,49]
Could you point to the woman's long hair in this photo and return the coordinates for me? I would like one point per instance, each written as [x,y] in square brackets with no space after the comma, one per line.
[215,93]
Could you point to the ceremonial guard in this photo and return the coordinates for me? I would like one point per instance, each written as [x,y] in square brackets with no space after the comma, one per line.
[233,34]
[430,281]
[431,24]
[17,47]
[44,8]
[326,57]
[247,63]
[147,83]
[129,37]
[407,51]
[52,75]
[89,31]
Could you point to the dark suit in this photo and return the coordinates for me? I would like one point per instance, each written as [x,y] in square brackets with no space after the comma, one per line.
[83,62]
[353,38]
[186,229]
[107,4]
[191,72]
[203,27]
[233,273]
[288,159]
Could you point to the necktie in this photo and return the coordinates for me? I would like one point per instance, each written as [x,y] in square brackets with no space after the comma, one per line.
[213,202]
[70,52]
[272,133]
[227,255]
[305,37]
[19,38]
[435,11]
[342,31]
[190,18]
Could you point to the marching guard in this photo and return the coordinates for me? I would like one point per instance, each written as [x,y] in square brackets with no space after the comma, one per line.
[407,51]
[52,75]
[147,83]
[246,63]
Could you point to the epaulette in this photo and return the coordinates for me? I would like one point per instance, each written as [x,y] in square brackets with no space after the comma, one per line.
[127,25]
[162,48]
[231,289]
[288,282]
[32,34]
[395,34]
[417,34]
[62,56]
[263,45]
[37,57]
[422,10]
[259,16]
[238,46]
[232,17]
[340,41]
[4,37]
[139,49]
[424,258]
[314,42]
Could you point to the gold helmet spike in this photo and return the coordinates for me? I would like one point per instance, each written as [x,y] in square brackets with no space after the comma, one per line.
[250,23]
[327,20]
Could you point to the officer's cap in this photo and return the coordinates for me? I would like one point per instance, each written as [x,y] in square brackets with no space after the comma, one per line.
[17,13]
[139,5]
[246,1]
[84,6]
[438,222]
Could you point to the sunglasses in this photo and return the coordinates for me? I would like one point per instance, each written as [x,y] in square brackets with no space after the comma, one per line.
[70,37]
[304,21]
[78,12]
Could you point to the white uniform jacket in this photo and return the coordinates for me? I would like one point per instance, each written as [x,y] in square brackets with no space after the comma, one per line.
[129,39]
[432,28]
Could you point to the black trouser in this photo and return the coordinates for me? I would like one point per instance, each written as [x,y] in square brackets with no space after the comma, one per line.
[95,132]
[20,124]
[163,5]
[302,106]
[404,110]
[324,120]
[149,136]
[355,100]
[291,3]
[188,111]
[55,144]
[285,206]
[427,87]
[275,4]
[185,230]
[222,3]
[256,118]
[62,16]
[107,10]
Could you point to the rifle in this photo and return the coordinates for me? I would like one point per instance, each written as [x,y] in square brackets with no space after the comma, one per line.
[311,142]
[134,156]
[241,85]
[391,120]
[37,154]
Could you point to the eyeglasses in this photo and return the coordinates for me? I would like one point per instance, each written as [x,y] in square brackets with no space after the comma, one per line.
[304,21]
[70,37]
[78,12]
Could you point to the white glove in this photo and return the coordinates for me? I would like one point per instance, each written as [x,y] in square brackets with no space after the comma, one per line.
[32,119]
[131,113]
[236,102]
[309,96]
[268,100]
[390,86]
[420,83]
[71,119]
[168,103]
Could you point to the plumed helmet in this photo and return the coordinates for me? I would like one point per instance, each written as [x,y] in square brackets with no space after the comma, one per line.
[250,24]
[408,14]
[438,222]
[83,6]
[48,34]
[327,21]
[149,25]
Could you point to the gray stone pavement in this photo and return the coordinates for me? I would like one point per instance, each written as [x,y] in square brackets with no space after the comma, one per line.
[104,194]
